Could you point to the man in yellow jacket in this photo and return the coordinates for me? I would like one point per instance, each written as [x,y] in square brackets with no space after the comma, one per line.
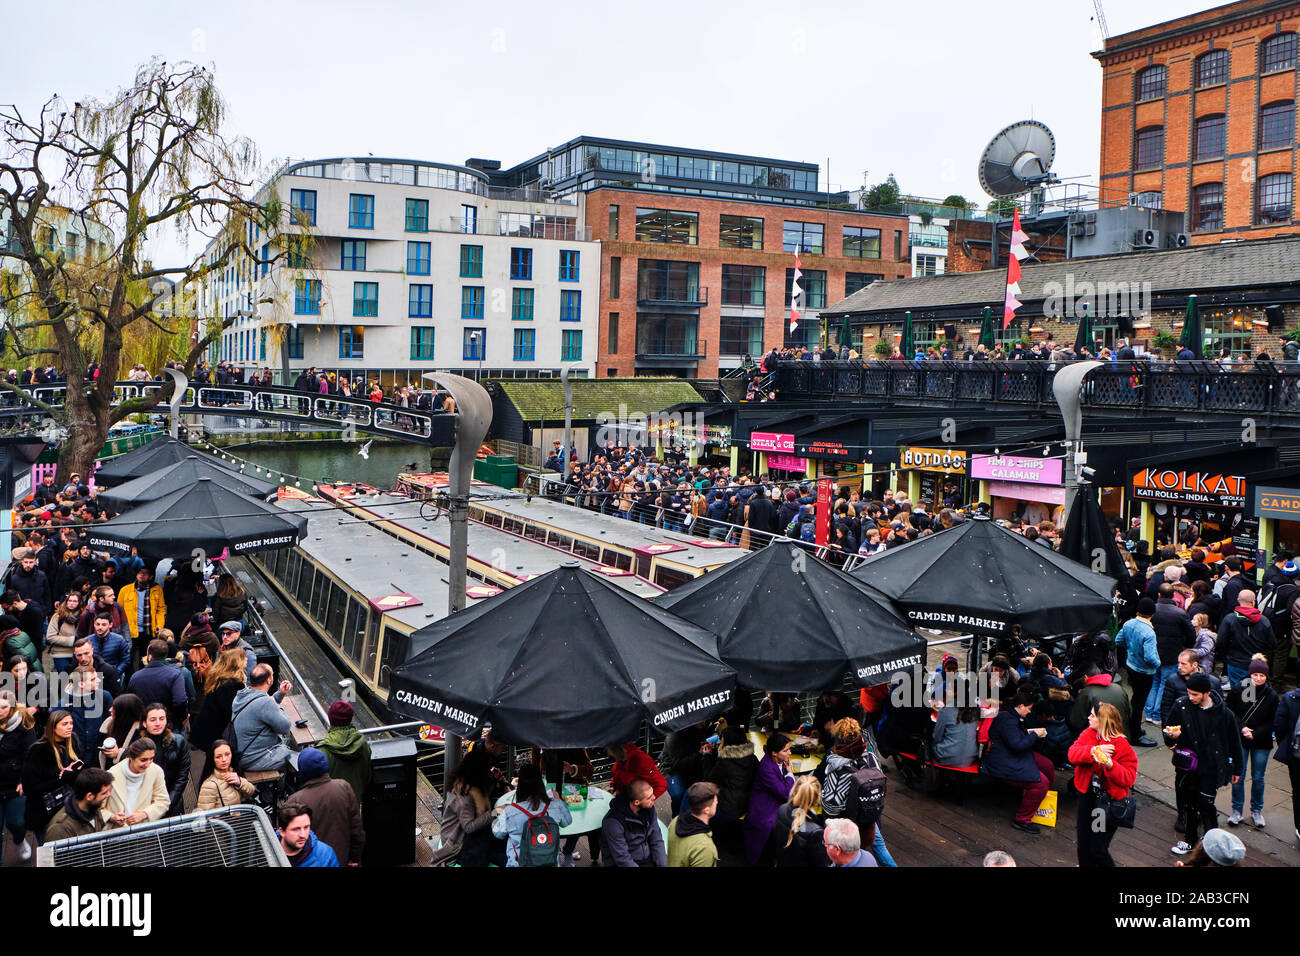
[142,603]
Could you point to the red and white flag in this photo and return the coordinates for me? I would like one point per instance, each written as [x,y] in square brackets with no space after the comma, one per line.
[796,292]
[1018,255]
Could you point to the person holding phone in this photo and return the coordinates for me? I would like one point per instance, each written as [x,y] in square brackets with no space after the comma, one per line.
[51,766]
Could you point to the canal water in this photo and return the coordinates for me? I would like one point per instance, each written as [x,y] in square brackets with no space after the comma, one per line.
[331,461]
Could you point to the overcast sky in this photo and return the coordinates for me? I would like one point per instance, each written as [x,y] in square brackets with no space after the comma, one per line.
[913,89]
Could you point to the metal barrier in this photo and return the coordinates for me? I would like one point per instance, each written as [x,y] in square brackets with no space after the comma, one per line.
[237,836]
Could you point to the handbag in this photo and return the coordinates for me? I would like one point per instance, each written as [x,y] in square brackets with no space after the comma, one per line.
[1120,811]
[54,799]
[1184,760]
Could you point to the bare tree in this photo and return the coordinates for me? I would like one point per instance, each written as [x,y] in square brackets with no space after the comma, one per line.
[150,158]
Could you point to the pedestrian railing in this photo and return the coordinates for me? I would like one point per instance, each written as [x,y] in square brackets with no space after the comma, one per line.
[237,836]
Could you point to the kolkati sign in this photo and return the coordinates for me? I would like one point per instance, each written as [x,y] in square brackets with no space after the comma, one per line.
[1281,503]
[1037,471]
[1192,487]
[947,460]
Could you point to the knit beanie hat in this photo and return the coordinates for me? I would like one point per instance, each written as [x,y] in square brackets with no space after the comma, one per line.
[1259,665]
[1199,683]
[340,713]
[312,763]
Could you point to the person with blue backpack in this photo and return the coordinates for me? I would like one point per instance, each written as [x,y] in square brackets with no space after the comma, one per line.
[531,824]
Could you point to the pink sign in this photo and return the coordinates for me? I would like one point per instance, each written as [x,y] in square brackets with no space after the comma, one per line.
[770,441]
[1027,492]
[787,462]
[1034,471]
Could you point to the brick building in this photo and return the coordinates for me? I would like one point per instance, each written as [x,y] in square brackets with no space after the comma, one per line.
[970,243]
[1198,115]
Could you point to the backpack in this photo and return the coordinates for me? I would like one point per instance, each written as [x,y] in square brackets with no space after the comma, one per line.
[855,792]
[1219,584]
[808,532]
[539,844]
[1275,607]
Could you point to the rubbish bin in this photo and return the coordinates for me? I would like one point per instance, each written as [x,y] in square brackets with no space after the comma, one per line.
[389,810]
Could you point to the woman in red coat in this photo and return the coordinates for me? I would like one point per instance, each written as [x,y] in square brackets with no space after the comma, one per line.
[633,763]
[1102,757]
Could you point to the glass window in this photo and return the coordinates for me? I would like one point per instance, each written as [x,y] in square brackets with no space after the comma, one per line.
[417,258]
[1274,199]
[354,255]
[615,276]
[667,225]
[853,281]
[521,304]
[668,280]
[417,215]
[743,285]
[1277,125]
[471,302]
[334,613]
[523,345]
[365,299]
[469,219]
[861,242]
[571,345]
[471,262]
[306,297]
[928,265]
[420,302]
[569,265]
[361,211]
[1212,68]
[294,342]
[666,334]
[740,232]
[474,345]
[1149,147]
[1227,329]
[814,287]
[521,264]
[1151,83]
[303,591]
[394,646]
[292,568]
[352,341]
[807,237]
[570,306]
[1277,53]
[613,222]
[320,590]
[302,207]
[740,335]
[613,333]
[1210,137]
[422,343]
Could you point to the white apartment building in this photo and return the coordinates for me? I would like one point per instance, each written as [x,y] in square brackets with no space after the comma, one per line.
[414,266]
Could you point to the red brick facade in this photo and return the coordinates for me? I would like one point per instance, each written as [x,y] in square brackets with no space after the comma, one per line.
[1177,45]
[969,242]
[621,360]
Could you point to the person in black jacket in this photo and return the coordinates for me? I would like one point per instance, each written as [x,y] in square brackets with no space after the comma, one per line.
[1253,703]
[1286,730]
[760,515]
[1243,634]
[17,735]
[1202,729]
[172,754]
[226,677]
[1174,632]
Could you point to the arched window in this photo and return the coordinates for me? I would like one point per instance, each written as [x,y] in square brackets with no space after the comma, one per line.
[1151,83]
[1275,199]
[1207,207]
[1277,125]
[1277,53]
[1149,147]
[1212,68]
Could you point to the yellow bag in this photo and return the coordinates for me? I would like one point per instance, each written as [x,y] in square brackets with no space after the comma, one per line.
[1046,812]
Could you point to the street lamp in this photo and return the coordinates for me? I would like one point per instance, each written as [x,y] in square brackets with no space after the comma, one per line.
[474,337]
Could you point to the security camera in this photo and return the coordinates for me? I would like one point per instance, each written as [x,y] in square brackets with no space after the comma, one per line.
[1087,474]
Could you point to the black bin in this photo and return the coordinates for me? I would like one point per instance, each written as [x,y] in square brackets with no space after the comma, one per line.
[389,810]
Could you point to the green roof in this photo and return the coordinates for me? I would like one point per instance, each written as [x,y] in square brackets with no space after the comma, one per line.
[543,399]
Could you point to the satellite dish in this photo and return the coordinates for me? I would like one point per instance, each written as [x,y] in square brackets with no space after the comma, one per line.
[1018,159]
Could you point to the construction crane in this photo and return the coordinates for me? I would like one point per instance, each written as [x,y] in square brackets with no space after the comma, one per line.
[1101,20]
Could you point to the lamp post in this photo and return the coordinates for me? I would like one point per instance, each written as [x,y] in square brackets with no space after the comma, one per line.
[476,337]
[1066,385]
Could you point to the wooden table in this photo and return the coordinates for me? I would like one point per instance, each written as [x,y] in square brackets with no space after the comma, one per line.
[296,708]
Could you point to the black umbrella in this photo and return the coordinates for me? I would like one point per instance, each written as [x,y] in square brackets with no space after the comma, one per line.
[979,578]
[1089,539]
[148,459]
[206,516]
[790,623]
[564,660]
[183,474]
[1083,340]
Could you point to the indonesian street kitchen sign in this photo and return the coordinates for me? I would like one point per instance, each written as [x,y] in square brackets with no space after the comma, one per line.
[947,460]
[1190,487]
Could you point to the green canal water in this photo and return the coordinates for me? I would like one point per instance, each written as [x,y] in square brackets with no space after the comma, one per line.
[331,461]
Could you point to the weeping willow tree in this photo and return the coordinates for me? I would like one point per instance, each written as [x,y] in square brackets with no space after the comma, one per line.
[153,157]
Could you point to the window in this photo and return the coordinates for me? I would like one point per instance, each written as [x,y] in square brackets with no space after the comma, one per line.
[471,302]
[804,237]
[417,258]
[1274,199]
[1276,125]
[354,255]
[261,345]
[1277,53]
[898,244]
[302,207]
[740,232]
[471,262]
[524,349]
[352,341]
[265,255]
[571,345]
[1151,83]
[417,215]
[615,276]
[474,345]
[613,333]
[814,287]
[1149,147]
[613,222]
[293,341]
[927,265]
[570,306]
[569,265]
[361,211]
[1207,206]
[306,297]
[1212,68]
[740,335]
[365,299]
[666,334]
[743,285]
[1210,137]
[420,302]
[422,343]
[853,281]
[667,225]
[667,280]
[521,305]
[295,257]
[521,264]
[469,219]
[861,243]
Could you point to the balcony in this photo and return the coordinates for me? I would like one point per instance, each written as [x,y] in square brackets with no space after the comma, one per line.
[560,227]
[672,296]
